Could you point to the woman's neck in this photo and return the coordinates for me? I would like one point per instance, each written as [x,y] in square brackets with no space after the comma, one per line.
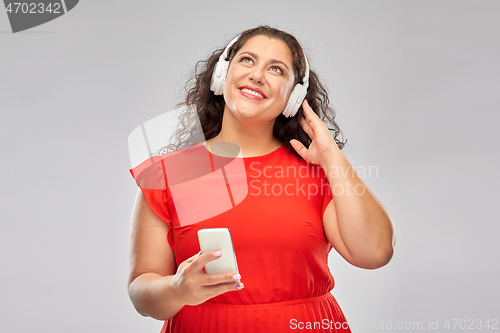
[249,148]
[253,139]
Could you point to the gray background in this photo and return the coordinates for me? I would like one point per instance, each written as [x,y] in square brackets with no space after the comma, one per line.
[415,84]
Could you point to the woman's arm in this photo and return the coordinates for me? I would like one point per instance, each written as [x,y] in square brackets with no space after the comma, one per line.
[152,264]
[155,287]
[355,221]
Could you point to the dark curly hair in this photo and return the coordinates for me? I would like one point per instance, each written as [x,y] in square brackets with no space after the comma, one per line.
[203,104]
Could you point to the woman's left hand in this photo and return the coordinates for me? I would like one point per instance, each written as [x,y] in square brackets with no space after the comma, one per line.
[322,145]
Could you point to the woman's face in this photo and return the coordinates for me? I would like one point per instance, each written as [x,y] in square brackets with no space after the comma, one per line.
[260,79]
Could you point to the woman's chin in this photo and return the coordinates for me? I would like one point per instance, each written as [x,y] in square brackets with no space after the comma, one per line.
[254,114]
[247,114]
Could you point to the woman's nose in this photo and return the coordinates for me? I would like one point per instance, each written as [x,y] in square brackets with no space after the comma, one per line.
[257,75]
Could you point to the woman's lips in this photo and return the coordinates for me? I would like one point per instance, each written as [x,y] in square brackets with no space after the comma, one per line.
[253,93]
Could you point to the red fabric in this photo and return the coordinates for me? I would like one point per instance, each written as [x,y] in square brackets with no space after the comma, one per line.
[281,250]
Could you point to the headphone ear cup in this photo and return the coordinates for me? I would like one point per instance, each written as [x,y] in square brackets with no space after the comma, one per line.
[219,77]
[220,70]
[225,66]
[296,98]
[215,82]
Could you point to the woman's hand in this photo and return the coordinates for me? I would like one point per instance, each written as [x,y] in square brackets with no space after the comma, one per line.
[322,143]
[195,287]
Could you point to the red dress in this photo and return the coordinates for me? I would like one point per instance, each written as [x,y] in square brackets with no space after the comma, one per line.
[280,246]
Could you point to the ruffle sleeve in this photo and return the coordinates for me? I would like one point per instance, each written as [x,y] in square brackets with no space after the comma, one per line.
[151,179]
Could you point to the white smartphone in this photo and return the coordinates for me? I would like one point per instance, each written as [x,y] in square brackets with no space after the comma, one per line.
[218,239]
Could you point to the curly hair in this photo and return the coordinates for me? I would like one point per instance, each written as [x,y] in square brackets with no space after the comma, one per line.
[201,103]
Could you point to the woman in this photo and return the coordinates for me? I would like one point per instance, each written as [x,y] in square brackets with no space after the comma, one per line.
[303,198]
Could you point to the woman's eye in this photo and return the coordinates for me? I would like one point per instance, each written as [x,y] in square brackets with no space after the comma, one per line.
[277,69]
[246,59]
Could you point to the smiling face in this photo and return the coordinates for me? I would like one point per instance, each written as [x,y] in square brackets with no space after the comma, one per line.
[260,79]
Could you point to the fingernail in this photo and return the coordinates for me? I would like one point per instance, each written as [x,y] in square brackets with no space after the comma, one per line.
[236,276]
[199,254]
[217,253]
[240,286]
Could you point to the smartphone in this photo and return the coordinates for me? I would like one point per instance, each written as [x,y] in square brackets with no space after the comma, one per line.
[214,239]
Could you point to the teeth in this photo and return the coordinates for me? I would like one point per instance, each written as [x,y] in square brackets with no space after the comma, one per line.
[252,92]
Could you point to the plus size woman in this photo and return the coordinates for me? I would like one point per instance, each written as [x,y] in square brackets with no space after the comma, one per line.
[301,203]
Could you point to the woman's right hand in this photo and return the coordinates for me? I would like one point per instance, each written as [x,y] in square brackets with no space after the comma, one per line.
[194,287]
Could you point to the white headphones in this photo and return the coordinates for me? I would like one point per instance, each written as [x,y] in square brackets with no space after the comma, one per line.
[297,96]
